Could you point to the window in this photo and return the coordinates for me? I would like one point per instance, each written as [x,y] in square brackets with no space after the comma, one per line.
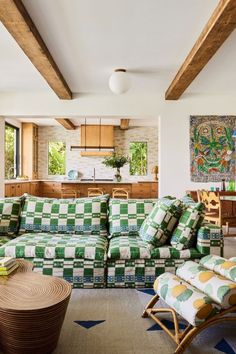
[138,158]
[56,158]
[11,151]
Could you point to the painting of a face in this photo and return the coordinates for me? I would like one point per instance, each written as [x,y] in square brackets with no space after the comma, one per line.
[212,149]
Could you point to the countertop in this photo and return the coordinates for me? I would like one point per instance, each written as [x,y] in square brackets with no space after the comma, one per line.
[75,181]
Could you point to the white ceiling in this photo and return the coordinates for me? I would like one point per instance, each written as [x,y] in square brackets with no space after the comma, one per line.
[88,39]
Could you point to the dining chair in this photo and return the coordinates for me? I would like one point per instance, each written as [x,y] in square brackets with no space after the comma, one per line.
[121,193]
[95,192]
[69,193]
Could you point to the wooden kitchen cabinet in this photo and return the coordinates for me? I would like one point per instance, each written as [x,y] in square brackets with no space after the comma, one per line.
[29,159]
[35,188]
[10,190]
[50,189]
[97,136]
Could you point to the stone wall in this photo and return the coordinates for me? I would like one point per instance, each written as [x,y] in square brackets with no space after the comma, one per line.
[85,165]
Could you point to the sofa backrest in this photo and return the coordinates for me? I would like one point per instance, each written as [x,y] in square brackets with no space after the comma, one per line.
[10,210]
[127,216]
[78,216]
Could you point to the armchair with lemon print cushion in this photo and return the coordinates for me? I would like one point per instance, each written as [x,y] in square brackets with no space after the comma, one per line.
[198,294]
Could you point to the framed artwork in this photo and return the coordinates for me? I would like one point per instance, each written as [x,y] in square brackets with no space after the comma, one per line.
[212,148]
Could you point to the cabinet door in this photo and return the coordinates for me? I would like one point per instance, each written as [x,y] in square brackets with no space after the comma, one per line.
[34,188]
[25,188]
[154,190]
[90,135]
[18,190]
[10,190]
[107,136]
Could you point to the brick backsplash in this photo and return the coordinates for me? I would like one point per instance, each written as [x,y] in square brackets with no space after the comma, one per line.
[85,165]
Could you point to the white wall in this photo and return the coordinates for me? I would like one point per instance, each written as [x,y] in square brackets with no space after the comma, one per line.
[174,160]
[2,148]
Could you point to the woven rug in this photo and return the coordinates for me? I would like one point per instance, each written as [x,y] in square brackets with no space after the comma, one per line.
[108,321]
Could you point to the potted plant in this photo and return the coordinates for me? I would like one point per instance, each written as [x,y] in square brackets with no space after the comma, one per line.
[116,160]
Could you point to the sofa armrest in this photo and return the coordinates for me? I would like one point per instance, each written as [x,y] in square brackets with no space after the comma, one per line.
[210,240]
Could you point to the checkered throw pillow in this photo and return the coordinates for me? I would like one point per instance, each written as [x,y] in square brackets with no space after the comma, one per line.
[158,226]
[185,233]
[10,209]
[79,216]
[127,216]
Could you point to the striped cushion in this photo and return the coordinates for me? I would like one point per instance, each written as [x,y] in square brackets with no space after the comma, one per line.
[127,216]
[220,265]
[79,216]
[10,209]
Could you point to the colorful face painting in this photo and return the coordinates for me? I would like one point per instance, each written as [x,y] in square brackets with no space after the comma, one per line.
[212,148]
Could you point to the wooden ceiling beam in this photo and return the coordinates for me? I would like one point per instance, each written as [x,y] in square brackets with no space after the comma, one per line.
[66,123]
[220,25]
[19,24]
[124,124]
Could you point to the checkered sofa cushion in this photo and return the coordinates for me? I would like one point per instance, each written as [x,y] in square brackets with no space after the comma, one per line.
[210,240]
[168,252]
[184,235]
[10,209]
[158,226]
[127,216]
[80,216]
[128,247]
[48,246]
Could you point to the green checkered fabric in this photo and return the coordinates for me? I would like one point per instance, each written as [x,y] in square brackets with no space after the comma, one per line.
[168,252]
[210,240]
[4,239]
[10,209]
[48,246]
[80,273]
[184,235]
[80,216]
[158,226]
[127,216]
[128,247]
[187,200]
[139,273]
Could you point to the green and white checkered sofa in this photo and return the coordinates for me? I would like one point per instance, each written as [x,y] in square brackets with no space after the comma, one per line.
[73,239]
[61,237]
[132,262]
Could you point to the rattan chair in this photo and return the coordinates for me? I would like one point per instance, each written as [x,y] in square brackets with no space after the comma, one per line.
[95,192]
[69,193]
[121,193]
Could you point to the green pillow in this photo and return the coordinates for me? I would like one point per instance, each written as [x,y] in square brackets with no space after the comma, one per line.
[158,226]
[10,209]
[185,233]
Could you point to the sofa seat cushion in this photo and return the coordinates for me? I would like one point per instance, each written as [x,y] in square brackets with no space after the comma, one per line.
[79,216]
[158,226]
[48,246]
[168,252]
[189,302]
[128,247]
[220,289]
[184,235]
[127,216]
[10,209]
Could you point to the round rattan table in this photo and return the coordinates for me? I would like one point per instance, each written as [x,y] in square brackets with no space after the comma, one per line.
[32,310]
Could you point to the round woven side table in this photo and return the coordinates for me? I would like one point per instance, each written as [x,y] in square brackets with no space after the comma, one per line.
[32,310]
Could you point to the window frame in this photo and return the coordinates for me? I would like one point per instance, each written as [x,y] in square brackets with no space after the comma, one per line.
[16,150]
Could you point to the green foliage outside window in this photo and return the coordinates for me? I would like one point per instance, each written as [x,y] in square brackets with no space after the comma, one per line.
[56,158]
[9,152]
[138,158]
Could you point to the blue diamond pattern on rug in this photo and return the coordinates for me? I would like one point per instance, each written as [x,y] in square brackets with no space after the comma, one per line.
[89,324]
[224,347]
[167,323]
[147,291]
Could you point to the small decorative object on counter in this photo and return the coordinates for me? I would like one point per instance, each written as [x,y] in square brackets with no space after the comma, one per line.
[223,185]
[155,173]
[116,160]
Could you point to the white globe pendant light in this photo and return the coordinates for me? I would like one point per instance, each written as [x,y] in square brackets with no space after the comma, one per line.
[119,82]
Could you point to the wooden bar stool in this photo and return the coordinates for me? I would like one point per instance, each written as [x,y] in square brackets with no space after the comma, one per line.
[120,193]
[95,192]
[69,193]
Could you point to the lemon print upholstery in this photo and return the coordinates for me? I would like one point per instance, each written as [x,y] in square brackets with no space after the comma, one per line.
[220,265]
[188,302]
[220,289]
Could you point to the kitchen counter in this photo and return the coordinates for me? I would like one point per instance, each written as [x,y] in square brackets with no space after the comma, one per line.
[10,181]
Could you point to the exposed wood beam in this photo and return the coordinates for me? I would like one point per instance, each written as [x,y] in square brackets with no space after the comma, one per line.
[220,25]
[124,124]
[66,123]
[17,21]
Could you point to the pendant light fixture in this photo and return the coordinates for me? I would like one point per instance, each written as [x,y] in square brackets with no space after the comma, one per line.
[119,82]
